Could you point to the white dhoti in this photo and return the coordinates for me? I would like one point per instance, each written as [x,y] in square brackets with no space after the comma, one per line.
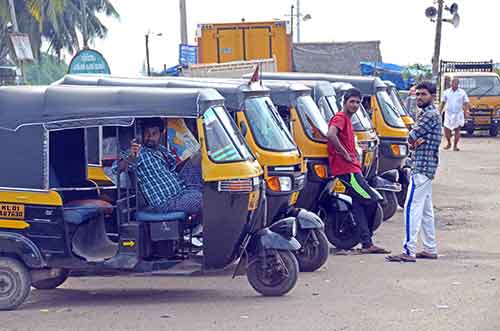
[454,120]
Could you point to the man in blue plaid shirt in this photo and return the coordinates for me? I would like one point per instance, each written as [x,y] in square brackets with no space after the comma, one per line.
[164,188]
[425,139]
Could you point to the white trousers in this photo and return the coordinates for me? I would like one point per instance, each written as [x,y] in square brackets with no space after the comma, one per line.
[419,213]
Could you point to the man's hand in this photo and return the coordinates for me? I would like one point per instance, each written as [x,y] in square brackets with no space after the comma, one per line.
[135,148]
[417,143]
[348,158]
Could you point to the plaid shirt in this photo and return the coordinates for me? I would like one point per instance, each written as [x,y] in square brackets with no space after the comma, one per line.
[156,175]
[426,156]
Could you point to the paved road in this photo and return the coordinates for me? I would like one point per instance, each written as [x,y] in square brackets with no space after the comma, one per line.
[458,292]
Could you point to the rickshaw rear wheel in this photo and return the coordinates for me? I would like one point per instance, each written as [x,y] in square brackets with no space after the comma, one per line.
[15,283]
[276,276]
[345,240]
[313,253]
[378,218]
[493,131]
[390,204]
[51,283]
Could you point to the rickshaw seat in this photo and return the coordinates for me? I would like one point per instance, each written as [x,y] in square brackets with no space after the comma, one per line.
[151,217]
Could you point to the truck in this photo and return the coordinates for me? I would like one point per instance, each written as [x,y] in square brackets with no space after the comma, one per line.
[229,42]
[482,85]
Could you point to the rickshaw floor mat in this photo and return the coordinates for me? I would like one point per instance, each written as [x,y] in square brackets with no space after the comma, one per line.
[91,242]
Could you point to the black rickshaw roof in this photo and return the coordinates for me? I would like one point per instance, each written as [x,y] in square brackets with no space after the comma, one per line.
[367,84]
[80,106]
[284,93]
[234,91]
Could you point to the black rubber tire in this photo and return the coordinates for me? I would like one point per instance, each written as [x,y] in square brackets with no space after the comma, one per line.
[284,285]
[401,195]
[311,257]
[51,283]
[378,219]
[470,132]
[494,131]
[390,204]
[15,283]
[348,241]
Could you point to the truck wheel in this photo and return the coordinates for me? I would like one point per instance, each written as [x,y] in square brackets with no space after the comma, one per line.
[314,251]
[276,275]
[15,283]
[389,205]
[51,283]
[494,131]
[343,236]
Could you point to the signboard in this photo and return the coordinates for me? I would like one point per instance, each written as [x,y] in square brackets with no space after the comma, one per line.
[22,46]
[188,54]
[88,61]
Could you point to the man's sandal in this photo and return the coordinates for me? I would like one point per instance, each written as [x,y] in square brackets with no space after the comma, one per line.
[400,258]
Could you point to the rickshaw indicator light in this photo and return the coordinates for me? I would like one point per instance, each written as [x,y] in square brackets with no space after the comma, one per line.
[320,171]
[273,183]
[399,150]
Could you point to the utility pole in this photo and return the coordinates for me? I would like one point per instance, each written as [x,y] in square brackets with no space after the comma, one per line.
[291,20]
[13,17]
[184,37]
[147,54]
[83,6]
[437,41]
[298,21]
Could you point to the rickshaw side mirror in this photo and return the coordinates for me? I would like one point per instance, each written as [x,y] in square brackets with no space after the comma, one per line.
[243,128]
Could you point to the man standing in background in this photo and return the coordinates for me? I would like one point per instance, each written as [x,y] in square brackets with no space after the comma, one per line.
[456,101]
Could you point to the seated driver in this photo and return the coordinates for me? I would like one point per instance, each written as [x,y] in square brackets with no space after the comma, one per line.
[165,188]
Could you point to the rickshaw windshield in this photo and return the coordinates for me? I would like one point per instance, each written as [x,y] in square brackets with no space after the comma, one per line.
[328,107]
[389,112]
[268,129]
[224,142]
[397,102]
[314,123]
[360,120]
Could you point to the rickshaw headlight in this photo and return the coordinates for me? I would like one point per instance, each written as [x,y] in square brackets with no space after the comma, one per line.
[279,184]
[498,112]
[320,170]
[399,150]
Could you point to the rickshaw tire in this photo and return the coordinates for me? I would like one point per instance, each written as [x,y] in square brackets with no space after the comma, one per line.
[284,287]
[51,283]
[321,251]
[493,131]
[389,205]
[16,275]
[378,218]
[339,243]
[401,195]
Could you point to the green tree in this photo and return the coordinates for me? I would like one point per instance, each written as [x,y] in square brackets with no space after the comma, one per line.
[59,22]
[45,71]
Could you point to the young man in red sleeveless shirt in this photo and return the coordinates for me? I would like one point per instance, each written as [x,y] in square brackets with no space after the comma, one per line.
[345,164]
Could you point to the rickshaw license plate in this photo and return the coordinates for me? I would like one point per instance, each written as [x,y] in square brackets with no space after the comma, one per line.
[12,211]
[368,159]
[253,200]
[294,197]
[339,187]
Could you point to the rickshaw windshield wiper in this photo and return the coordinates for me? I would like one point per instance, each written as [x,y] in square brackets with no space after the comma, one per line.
[487,91]
[278,122]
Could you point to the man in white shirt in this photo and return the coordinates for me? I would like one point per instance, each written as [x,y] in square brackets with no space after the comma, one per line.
[456,100]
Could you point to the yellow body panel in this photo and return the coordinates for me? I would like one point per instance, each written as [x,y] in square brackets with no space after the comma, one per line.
[381,127]
[97,175]
[221,171]
[225,42]
[13,224]
[49,198]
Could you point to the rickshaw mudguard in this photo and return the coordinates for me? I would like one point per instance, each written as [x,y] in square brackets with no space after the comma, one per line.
[307,220]
[267,239]
[382,184]
[17,245]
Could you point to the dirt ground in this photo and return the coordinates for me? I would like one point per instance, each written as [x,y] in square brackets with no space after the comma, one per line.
[460,291]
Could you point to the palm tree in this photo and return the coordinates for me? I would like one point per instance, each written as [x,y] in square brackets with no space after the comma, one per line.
[59,22]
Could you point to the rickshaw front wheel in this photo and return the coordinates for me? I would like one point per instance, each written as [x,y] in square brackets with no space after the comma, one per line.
[390,204]
[51,283]
[276,275]
[15,283]
[314,251]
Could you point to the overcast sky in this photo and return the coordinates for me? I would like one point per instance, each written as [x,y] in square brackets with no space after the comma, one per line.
[406,35]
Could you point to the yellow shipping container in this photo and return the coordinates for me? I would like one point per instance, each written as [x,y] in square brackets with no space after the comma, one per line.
[226,42]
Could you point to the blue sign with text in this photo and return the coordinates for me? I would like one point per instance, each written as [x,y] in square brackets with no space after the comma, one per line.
[188,54]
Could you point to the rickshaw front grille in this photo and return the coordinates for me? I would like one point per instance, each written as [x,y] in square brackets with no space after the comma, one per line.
[236,185]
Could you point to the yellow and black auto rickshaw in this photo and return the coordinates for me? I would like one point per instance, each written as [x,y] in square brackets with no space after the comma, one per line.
[388,124]
[53,218]
[271,143]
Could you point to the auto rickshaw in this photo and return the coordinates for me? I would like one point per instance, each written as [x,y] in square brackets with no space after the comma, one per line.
[400,105]
[309,129]
[53,220]
[391,131]
[271,143]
